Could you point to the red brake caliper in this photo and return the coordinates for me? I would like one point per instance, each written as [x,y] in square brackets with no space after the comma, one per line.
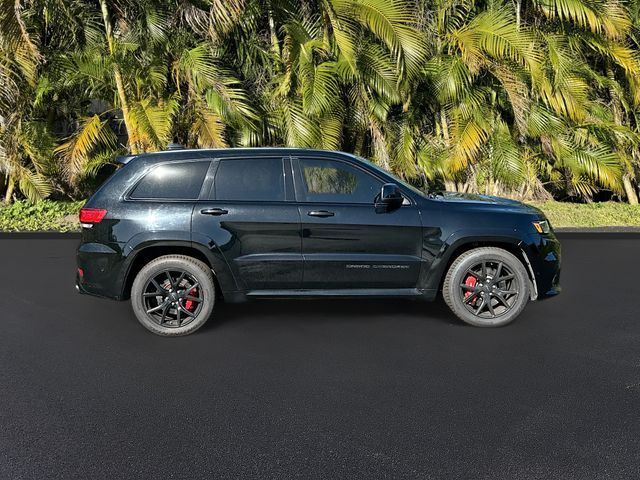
[471,282]
[189,303]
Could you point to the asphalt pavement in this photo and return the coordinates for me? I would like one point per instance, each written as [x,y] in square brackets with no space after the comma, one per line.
[321,389]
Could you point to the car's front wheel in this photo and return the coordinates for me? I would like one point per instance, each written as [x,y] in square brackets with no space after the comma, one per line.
[486,287]
[173,295]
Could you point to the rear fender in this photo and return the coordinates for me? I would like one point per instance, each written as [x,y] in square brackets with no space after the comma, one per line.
[210,251]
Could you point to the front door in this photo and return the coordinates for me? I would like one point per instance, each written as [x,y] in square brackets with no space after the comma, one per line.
[346,242]
[252,218]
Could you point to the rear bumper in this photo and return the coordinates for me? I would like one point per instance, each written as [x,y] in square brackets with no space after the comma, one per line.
[83,289]
[102,266]
[79,288]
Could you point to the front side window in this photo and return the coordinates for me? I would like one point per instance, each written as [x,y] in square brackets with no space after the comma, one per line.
[247,179]
[337,182]
[172,181]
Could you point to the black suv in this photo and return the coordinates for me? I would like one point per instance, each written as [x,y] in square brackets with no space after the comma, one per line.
[178,230]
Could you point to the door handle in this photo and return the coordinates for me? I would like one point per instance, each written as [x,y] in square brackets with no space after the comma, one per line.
[214,211]
[320,213]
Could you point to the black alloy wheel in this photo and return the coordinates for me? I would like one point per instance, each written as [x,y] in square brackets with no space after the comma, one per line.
[173,295]
[487,287]
[490,289]
[173,298]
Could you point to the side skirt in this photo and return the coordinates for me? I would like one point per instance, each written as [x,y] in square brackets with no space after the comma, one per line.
[347,292]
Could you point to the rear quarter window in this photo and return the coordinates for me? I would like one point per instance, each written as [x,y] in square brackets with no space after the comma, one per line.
[172,181]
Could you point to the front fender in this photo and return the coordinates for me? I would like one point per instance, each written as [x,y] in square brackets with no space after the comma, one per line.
[463,238]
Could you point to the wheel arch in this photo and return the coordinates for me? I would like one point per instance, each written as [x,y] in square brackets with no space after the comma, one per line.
[143,254]
[460,243]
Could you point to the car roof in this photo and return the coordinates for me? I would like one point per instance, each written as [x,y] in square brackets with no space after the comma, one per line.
[187,153]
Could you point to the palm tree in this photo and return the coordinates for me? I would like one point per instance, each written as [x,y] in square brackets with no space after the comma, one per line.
[151,67]
[586,64]
[510,105]
[333,70]
[24,140]
[526,98]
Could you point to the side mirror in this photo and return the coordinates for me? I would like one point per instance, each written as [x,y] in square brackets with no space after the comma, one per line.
[389,198]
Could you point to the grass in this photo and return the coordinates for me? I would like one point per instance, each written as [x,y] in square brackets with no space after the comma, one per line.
[49,215]
[589,215]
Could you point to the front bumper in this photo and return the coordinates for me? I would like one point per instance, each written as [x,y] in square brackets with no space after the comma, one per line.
[544,253]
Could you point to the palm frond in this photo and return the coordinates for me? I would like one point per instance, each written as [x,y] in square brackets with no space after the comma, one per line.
[208,129]
[603,17]
[93,133]
[494,34]
[376,69]
[33,185]
[299,129]
[468,138]
[16,41]
[153,122]
[331,127]
[450,76]
[97,161]
[506,159]
[390,21]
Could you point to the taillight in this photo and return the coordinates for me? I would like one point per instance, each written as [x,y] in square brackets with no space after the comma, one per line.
[92,215]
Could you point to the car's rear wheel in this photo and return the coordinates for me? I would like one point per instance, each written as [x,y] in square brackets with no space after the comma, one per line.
[486,287]
[173,295]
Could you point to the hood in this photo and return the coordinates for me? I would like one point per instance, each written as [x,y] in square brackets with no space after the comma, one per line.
[483,200]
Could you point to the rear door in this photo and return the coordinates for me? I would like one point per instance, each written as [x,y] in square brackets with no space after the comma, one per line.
[251,215]
[346,242]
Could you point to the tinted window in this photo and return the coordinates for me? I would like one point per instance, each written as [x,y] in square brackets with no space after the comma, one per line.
[250,179]
[173,181]
[331,181]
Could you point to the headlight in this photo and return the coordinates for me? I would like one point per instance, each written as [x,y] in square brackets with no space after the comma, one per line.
[542,226]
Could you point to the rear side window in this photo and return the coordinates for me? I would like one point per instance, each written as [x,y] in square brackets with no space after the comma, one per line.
[250,180]
[177,181]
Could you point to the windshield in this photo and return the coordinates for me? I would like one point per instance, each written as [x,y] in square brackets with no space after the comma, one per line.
[389,174]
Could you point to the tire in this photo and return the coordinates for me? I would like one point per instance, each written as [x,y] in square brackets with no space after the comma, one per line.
[468,285]
[185,297]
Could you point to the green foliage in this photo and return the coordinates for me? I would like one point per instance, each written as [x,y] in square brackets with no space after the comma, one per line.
[49,215]
[530,98]
[582,215]
[45,215]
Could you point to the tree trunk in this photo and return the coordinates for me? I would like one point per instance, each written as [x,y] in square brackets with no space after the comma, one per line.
[358,145]
[450,186]
[275,44]
[11,183]
[444,125]
[124,104]
[126,115]
[618,112]
[629,190]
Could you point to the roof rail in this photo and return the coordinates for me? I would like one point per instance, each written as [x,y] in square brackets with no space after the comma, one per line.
[124,159]
[174,146]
